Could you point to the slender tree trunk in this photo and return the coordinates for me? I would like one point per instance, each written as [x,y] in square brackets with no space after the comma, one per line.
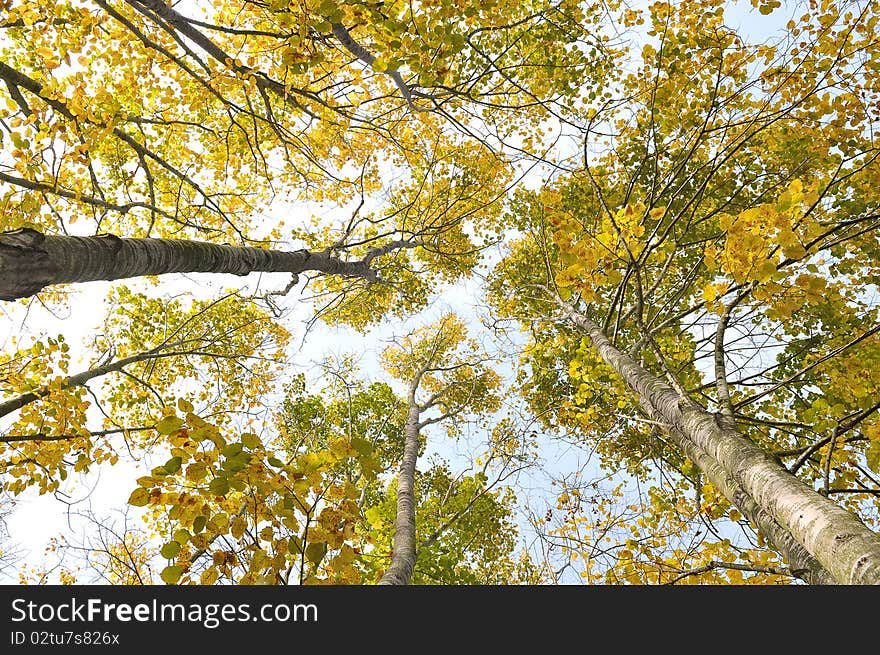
[403,558]
[843,545]
[30,260]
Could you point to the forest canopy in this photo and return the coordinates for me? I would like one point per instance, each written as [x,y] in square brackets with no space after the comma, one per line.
[441,292]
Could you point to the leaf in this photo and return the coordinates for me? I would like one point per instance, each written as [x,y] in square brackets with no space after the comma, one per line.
[374,517]
[196,471]
[219,486]
[172,465]
[209,576]
[199,523]
[315,552]
[185,406]
[169,425]
[237,463]
[139,497]
[250,441]
[361,446]
[170,550]
[765,271]
[171,574]
[872,456]
[238,527]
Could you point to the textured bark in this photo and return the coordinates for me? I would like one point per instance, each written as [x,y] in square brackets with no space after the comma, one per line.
[30,260]
[403,558]
[844,546]
[802,564]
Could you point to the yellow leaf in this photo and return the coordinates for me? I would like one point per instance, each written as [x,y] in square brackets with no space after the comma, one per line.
[238,526]
[765,270]
[209,576]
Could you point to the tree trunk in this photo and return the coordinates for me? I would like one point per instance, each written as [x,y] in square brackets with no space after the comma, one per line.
[30,260]
[802,564]
[843,545]
[403,558]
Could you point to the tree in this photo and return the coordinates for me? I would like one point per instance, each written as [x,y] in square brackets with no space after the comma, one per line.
[731,198]
[254,105]
[431,360]
[149,348]
[258,102]
[234,509]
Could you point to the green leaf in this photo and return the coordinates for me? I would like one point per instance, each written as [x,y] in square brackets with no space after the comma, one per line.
[139,497]
[237,463]
[330,10]
[170,550]
[374,516]
[172,465]
[250,441]
[362,446]
[171,574]
[765,270]
[872,455]
[185,406]
[169,425]
[199,523]
[219,486]
[197,471]
[315,552]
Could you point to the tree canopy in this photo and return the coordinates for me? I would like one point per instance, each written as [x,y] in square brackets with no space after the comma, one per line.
[651,233]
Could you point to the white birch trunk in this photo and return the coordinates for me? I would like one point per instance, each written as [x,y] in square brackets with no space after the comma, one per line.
[403,558]
[837,539]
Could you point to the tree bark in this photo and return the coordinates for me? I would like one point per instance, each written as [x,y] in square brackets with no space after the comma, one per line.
[802,564]
[30,260]
[843,545]
[403,558]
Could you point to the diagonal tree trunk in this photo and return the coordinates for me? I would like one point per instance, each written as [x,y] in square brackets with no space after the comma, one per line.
[843,545]
[802,564]
[30,260]
[403,558]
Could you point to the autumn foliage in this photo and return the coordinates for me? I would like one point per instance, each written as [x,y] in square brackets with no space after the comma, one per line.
[677,199]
